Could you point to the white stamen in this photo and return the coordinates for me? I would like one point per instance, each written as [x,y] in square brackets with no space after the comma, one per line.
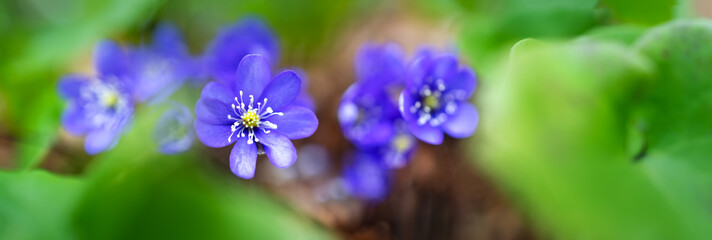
[450,107]
[262,112]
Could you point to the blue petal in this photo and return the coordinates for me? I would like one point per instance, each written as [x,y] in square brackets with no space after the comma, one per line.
[214,111]
[365,177]
[243,159]
[405,101]
[74,119]
[378,134]
[168,41]
[305,100]
[253,75]
[279,149]
[214,104]
[282,91]
[218,91]
[463,122]
[176,147]
[296,123]
[380,64]
[234,42]
[464,81]
[155,76]
[426,133]
[213,135]
[110,59]
[100,139]
[415,76]
[70,85]
[443,67]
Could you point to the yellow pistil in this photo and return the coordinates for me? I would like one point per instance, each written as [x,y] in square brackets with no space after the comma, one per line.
[431,102]
[110,98]
[402,143]
[250,119]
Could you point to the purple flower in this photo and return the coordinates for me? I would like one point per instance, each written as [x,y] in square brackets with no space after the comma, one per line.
[232,43]
[99,107]
[368,112]
[365,176]
[400,147]
[162,66]
[174,130]
[367,109]
[254,110]
[367,115]
[435,98]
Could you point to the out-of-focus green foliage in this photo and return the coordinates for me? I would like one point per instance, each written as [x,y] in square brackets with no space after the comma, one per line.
[490,28]
[37,44]
[499,24]
[646,12]
[625,34]
[601,130]
[135,192]
[302,26]
[36,205]
[603,141]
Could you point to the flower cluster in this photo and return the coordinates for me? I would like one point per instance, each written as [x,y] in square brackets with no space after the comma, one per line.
[392,103]
[102,106]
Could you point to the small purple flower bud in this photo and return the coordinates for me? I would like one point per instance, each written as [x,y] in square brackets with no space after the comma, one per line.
[174,130]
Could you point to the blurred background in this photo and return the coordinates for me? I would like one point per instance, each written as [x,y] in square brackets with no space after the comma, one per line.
[595,125]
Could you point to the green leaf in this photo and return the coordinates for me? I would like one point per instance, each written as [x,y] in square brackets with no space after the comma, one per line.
[559,126]
[646,12]
[490,33]
[39,130]
[36,205]
[677,122]
[625,33]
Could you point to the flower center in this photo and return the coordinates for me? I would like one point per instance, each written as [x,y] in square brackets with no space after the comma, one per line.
[250,118]
[402,143]
[109,98]
[104,104]
[434,103]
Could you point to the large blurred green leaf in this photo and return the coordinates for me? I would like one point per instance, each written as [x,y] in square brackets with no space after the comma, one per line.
[647,12]
[36,205]
[677,121]
[599,143]
[623,33]
[497,25]
[134,192]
